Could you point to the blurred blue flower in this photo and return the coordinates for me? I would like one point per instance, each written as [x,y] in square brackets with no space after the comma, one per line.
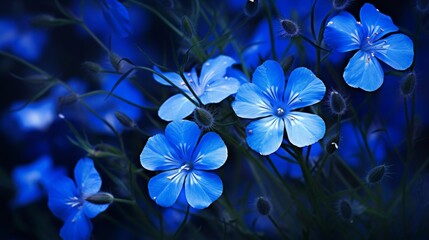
[20,38]
[184,158]
[343,33]
[117,17]
[267,100]
[68,201]
[212,86]
[31,180]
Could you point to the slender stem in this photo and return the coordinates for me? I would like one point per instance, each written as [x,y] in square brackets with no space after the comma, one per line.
[182,225]
[277,227]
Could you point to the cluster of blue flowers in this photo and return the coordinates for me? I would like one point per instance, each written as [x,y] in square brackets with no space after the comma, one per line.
[259,115]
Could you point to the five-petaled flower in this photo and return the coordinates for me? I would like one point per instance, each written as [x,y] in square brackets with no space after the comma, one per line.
[212,86]
[69,201]
[267,101]
[183,157]
[343,33]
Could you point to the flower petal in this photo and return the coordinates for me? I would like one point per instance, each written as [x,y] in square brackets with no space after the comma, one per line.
[202,189]
[172,76]
[217,89]
[59,194]
[251,103]
[342,33]
[269,77]
[157,154]
[265,135]
[364,71]
[77,226]
[215,68]
[117,17]
[375,24]
[175,108]
[397,51]
[303,89]
[165,187]
[91,210]
[211,152]
[87,179]
[183,136]
[304,129]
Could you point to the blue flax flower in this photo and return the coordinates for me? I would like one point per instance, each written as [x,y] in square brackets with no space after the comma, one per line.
[183,157]
[211,87]
[68,201]
[267,101]
[343,33]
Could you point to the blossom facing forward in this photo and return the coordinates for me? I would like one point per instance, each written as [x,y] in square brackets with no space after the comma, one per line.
[69,201]
[267,101]
[184,157]
[370,37]
[212,86]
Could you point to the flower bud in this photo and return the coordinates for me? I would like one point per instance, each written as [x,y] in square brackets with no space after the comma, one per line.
[376,174]
[422,6]
[187,27]
[124,119]
[121,65]
[337,103]
[68,99]
[263,205]
[347,209]
[251,8]
[203,118]
[408,84]
[101,198]
[92,66]
[289,28]
[340,4]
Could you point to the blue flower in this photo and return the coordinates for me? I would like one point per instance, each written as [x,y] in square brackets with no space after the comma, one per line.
[31,180]
[183,157]
[343,33]
[267,101]
[68,201]
[211,87]
[117,17]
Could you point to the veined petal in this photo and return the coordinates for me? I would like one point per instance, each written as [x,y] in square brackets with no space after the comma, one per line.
[364,71]
[60,195]
[183,136]
[165,187]
[157,154]
[396,51]
[375,24]
[77,227]
[251,103]
[303,89]
[91,210]
[86,176]
[304,129]
[211,152]
[342,33]
[202,188]
[172,76]
[265,135]
[269,77]
[215,68]
[218,89]
[175,108]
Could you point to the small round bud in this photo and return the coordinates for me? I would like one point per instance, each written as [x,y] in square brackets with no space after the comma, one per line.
[422,6]
[92,66]
[251,8]
[121,65]
[187,27]
[68,99]
[124,119]
[289,28]
[408,84]
[340,4]
[377,174]
[347,209]
[263,205]
[203,118]
[337,103]
[101,198]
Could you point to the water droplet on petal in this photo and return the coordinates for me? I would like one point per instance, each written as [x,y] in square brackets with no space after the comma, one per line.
[207,64]
[182,84]
[250,131]
[330,23]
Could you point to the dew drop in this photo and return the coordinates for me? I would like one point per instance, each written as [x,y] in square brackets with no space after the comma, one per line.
[372,54]
[358,22]
[207,64]
[330,23]
[154,198]
[250,131]
[182,84]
